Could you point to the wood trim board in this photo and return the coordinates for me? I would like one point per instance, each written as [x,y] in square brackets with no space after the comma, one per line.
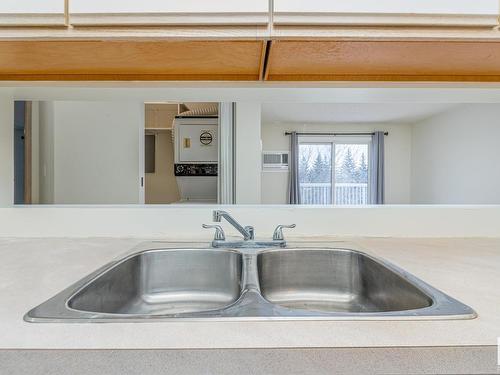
[250,60]
[384,61]
[130,60]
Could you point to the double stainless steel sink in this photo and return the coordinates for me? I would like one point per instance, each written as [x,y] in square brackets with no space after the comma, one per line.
[160,283]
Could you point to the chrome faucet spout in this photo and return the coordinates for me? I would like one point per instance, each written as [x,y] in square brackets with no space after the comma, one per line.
[247,232]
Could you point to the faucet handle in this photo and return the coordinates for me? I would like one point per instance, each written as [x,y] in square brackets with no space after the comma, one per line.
[251,231]
[219,232]
[278,232]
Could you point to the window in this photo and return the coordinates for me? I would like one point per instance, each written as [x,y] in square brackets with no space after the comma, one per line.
[334,170]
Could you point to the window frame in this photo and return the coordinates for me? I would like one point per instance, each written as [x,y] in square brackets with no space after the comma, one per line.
[334,140]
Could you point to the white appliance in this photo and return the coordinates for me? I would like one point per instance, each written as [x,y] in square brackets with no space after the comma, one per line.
[196,151]
[275,160]
[196,140]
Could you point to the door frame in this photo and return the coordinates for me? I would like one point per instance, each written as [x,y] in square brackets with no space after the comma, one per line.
[28,196]
[142,139]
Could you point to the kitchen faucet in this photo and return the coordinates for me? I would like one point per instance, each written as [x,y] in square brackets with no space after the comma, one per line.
[247,232]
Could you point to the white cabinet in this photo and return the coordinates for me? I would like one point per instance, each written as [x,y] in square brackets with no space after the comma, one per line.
[477,13]
[31,12]
[32,6]
[168,12]
[162,6]
[389,6]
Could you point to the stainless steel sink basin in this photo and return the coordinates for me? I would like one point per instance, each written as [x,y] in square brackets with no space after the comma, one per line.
[156,282]
[335,281]
[164,282]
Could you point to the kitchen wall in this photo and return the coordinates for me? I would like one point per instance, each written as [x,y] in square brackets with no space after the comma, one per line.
[89,152]
[248,153]
[6,150]
[455,157]
[397,153]
[181,222]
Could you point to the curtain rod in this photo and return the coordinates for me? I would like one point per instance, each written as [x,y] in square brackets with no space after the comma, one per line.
[336,133]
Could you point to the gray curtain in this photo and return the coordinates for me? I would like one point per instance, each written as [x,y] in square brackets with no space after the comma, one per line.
[293,167]
[377,169]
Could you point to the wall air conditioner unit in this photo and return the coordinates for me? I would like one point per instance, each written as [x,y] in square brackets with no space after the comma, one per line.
[275,160]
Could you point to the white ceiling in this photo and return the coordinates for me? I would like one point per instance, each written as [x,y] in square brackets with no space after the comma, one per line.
[351,113]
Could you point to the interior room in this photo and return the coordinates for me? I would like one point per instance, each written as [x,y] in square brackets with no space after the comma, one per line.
[181,153]
[226,187]
[434,153]
[89,152]
[83,152]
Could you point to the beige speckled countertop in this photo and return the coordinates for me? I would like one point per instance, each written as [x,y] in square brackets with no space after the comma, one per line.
[32,270]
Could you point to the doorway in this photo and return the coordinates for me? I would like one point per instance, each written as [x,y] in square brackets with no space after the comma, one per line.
[181,153]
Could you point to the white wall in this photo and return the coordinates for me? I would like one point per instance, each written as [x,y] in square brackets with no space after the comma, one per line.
[456,157]
[282,92]
[181,222]
[6,150]
[397,158]
[248,153]
[89,152]
[96,152]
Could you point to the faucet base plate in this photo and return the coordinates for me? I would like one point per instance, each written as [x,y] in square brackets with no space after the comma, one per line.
[248,244]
